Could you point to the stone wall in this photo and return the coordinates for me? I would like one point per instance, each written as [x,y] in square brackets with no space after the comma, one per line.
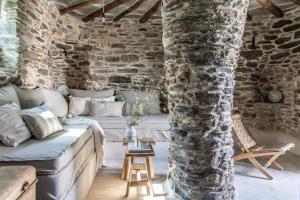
[273,63]
[39,25]
[124,54]
[57,50]
[50,50]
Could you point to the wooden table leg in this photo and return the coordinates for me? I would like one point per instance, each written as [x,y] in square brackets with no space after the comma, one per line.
[148,166]
[151,167]
[129,177]
[125,165]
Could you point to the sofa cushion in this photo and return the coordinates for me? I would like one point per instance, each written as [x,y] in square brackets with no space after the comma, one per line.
[56,102]
[41,121]
[107,109]
[53,153]
[30,98]
[8,94]
[92,93]
[80,106]
[13,130]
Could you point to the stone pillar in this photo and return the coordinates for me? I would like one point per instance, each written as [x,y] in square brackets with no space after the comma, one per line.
[202,40]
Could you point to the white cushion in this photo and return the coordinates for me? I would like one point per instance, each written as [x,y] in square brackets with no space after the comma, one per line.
[56,102]
[107,109]
[80,106]
[41,121]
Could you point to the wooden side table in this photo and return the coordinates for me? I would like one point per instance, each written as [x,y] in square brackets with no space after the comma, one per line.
[130,167]
[17,182]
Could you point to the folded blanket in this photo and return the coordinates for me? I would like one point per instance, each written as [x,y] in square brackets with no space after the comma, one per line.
[98,133]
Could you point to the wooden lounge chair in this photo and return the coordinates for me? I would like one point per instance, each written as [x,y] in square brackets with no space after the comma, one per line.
[251,150]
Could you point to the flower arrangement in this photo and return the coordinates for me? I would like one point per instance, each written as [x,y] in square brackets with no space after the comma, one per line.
[133,120]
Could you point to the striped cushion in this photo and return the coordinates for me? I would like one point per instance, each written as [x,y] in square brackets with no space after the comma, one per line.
[13,130]
[41,122]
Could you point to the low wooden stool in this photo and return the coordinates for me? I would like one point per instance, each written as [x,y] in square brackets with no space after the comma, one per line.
[130,167]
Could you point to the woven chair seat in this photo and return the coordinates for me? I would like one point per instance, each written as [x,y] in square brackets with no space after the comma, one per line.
[272,148]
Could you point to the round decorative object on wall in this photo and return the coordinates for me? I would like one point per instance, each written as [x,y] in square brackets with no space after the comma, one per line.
[64,90]
[275,96]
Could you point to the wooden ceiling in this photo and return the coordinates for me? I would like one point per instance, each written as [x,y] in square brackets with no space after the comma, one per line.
[89,10]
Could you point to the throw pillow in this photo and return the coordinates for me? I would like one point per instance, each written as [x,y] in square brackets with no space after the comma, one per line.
[33,98]
[107,109]
[92,93]
[56,102]
[30,98]
[80,106]
[13,130]
[41,121]
[8,94]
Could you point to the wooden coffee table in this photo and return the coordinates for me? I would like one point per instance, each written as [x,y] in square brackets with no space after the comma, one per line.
[130,167]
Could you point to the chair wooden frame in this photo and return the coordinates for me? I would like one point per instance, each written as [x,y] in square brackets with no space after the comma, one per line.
[250,150]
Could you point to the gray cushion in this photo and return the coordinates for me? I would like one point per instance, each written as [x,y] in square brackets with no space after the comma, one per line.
[141,102]
[8,94]
[56,102]
[92,93]
[41,121]
[107,109]
[13,130]
[33,98]
[30,98]
[80,106]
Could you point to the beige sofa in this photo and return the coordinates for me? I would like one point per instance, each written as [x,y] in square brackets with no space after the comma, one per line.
[66,162]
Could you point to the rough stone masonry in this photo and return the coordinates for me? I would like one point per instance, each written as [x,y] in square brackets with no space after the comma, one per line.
[201,42]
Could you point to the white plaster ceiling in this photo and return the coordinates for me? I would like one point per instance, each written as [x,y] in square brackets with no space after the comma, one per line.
[254,8]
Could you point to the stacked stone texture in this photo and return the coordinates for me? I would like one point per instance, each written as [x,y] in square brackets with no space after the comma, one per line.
[36,18]
[49,50]
[124,54]
[202,41]
[272,64]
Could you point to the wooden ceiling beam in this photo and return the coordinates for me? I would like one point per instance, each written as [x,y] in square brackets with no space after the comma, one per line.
[103,10]
[125,12]
[249,17]
[271,7]
[150,12]
[76,6]
[296,1]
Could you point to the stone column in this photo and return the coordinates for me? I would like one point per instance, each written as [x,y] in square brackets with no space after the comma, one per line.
[202,39]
